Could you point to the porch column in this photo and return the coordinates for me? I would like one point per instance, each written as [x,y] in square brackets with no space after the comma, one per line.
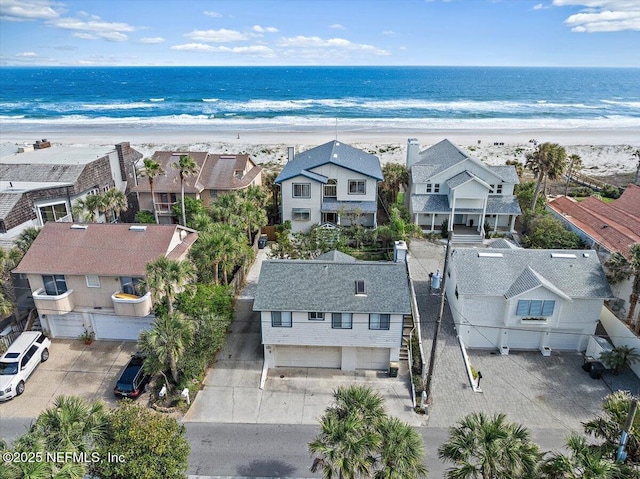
[484,212]
[452,215]
[338,219]
[415,220]
[433,220]
[375,220]
[513,223]
[495,224]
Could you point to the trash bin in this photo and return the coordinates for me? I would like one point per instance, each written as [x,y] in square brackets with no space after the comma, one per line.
[596,369]
[262,241]
[393,369]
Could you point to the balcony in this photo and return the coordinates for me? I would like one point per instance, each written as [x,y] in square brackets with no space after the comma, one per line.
[53,304]
[131,305]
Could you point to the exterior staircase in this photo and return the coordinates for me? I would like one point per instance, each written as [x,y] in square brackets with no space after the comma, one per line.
[407,326]
[467,239]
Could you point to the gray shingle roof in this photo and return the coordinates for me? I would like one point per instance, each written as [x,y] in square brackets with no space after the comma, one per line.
[296,285]
[502,243]
[430,204]
[459,179]
[334,152]
[335,255]
[7,202]
[579,277]
[39,172]
[331,205]
[503,205]
[508,173]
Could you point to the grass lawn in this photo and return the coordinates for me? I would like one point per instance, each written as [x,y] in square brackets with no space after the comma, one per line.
[604,200]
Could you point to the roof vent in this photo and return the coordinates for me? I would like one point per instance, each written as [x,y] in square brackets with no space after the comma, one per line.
[585,255]
[138,228]
[483,254]
[335,155]
[563,255]
[78,227]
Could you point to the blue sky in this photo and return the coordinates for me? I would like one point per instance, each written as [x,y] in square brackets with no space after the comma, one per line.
[320,32]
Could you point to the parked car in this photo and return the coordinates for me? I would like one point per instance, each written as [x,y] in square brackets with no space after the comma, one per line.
[133,379]
[22,358]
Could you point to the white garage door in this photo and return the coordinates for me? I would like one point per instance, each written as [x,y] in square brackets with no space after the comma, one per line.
[568,341]
[523,339]
[372,358]
[119,327]
[70,325]
[309,356]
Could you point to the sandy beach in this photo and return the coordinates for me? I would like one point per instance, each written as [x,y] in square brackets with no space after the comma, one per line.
[603,151]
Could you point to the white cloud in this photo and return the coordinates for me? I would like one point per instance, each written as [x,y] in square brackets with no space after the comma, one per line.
[85,36]
[336,43]
[92,25]
[259,29]
[209,13]
[26,55]
[194,47]
[217,36]
[603,15]
[539,6]
[152,40]
[388,32]
[26,10]
[337,26]
[252,50]
[113,36]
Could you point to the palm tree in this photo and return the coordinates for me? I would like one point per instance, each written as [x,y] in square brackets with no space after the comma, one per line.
[8,260]
[186,167]
[574,162]
[637,155]
[151,169]
[547,161]
[254,216]
[167,277]
[87,209]
[72,424]
[167,340]
[25,239]
[402,451]
[619,358]
[489,448]
[620,268]
[113,202]
[396,176]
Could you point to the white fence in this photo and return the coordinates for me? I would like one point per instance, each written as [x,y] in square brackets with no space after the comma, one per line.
[620,334]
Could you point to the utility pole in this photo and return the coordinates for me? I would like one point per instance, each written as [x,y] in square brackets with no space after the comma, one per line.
[621,453]
[432,358]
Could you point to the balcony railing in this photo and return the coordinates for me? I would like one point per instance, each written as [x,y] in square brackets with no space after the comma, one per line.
[53,304]
[164,208]
[131,305]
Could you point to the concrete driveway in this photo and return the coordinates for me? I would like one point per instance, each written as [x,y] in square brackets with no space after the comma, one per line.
[232,394]
[73,368]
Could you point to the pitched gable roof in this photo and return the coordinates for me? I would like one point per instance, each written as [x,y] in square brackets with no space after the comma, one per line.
[336,153]
[629,201]
[219,172]
[103,249]
[462,178]
[335,255]
[169,182]
[505,273]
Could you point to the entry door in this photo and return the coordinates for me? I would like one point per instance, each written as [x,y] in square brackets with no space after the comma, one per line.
[458,219]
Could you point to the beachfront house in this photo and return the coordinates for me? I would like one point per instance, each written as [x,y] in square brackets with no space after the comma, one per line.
[333,312]
[216,175]
[448,184]
[608,228]
[331,183]
[41,185]
[89,277]
[509,298]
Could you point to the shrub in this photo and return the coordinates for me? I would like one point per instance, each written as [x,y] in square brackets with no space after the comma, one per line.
[444,232]
[610,191]
[145,216]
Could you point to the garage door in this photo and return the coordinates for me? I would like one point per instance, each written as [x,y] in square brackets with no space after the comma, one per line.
[70,325]
[119,327]
[372,358]
[309,356]
[523,339]
[568,341]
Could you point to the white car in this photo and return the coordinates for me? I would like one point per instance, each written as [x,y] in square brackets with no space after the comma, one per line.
[21,359]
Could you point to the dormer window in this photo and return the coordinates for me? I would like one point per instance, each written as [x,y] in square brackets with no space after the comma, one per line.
[360,288]
[238,173]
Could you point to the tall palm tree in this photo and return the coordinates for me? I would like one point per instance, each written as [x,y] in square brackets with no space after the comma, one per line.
[206,252]
[151,169]
[87,209]
[574,162]
[489,448]
[25,239]
[396,176]
[167,277]
[547,161]
[621,268]
[113,202]
[186,167]
[167,340]
[254,215]
[402,451]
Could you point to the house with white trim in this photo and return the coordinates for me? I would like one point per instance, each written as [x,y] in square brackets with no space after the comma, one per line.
[89,276]
[512,298]
[447,183]
[332,312]
[331,183]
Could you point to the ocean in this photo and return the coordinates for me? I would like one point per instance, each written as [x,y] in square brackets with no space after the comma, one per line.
[304,98]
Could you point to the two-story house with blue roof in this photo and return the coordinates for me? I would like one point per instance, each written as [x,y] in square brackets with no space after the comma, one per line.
[446,183]
[331,183]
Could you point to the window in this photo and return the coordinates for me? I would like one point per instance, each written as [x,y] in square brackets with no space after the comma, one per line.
[315,316]
[168,198]
[499,189]
[341,320]
[53,212]
[379,321]
[93,281]
[281,319]
[429,187]
[357,187]
[360,287]
[330,189]
[54,284]
[131,285]
[302,190]
[301,214]
[457,292]
[436,188]
[492,188]
[535,307]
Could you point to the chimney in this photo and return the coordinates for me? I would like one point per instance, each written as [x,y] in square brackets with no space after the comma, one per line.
[291,152]
[413,152]
[399,252]
[123,149]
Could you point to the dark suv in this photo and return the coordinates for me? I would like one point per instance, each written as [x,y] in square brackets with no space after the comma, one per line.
[133,379]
